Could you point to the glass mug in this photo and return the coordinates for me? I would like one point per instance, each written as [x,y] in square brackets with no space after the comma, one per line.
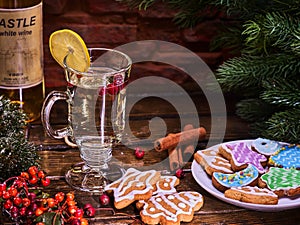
[96,115]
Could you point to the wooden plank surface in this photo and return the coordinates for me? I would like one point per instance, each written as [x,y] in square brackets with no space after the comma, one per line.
[57,157]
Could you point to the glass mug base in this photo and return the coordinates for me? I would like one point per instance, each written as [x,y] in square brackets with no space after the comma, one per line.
[83,178]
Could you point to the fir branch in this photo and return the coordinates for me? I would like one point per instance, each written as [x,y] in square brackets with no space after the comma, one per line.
[16,153]
[254,110]
[283,126]
[271,33]
[229,37]
[282,93]
[12,119]
[250,71]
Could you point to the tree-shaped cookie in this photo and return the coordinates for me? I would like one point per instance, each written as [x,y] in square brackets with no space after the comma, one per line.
[170,209]
[282,181]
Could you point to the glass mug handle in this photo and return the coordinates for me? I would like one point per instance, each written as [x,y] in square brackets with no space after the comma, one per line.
[65,132]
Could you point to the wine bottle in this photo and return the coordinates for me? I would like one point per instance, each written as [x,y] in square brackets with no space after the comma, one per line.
[21,54]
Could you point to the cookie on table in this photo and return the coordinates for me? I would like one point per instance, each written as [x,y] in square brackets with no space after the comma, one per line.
[283,182]
[246,177]
[170,209]
[212,161]
[265,146]
[286,157]
[253,195]
[133,185]
[240,155]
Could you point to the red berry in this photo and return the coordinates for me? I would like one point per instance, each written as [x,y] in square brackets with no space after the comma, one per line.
[26,202]
[180,173]
[89,210]
[40,223]
[112,89]
[72,209]
[8,204]
[39,211]
[25,175]
[45,182]
[51,202]
[33,170]
[104,199]
[31,196]
[79,213]
[118,81]
[5,195]
[59,196]
[84,221]
[71,203]
[29,212]
[12,191]
[33,179]
[102,91]
[17,201]
[22,211]
[139,153]
[14,212]
[70,196]
[41,174]
[3,187]
[87,205]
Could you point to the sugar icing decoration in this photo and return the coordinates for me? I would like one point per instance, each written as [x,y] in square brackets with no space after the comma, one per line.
[166,184]
[170,207]
[287,157]
[215,161]
[142,181]
[266,146]
[242,154]
[238,179]
[255,191]
[281,179]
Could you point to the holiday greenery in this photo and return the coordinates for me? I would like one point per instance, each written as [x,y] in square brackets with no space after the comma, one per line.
[16,152]
[265,74]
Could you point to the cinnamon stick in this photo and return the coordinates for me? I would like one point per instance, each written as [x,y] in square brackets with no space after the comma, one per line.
[173,159]
[180,147]
[184,137]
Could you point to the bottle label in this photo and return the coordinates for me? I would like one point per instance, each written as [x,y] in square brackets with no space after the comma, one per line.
[21,48]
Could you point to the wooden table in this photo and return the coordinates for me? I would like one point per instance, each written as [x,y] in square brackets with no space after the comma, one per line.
[57,157]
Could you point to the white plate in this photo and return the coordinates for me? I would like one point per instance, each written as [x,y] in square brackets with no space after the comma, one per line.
[204,181]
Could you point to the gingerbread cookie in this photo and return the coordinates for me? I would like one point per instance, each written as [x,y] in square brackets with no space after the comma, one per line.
[212,161]
[254,195]
[281,181]
[265,146]
[246,177]
[170,209]
[286,157]
[166,184]
[134,185]
[240,155]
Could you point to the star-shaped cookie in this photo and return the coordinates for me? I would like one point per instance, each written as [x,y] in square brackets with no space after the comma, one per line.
[133,185]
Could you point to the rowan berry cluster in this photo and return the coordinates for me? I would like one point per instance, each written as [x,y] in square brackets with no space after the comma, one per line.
[25,204]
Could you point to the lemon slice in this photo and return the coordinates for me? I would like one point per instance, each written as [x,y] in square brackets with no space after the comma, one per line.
[67,42]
